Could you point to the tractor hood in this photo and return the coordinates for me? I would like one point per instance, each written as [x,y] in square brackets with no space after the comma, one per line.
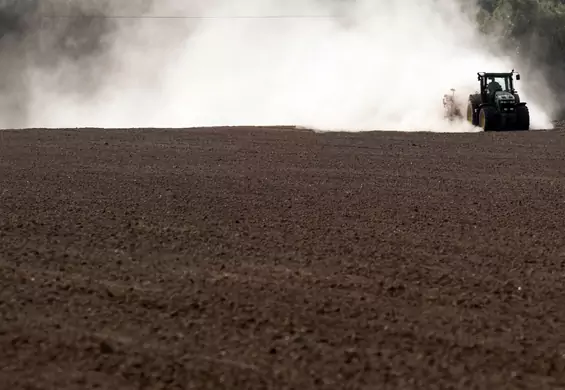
[501,95]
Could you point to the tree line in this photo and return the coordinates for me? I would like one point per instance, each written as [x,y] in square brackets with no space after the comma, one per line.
[534,30]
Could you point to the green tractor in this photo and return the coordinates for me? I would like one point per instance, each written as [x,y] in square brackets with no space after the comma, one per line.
[497,106]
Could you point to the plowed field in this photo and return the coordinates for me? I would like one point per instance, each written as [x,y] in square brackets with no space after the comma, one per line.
[247,258]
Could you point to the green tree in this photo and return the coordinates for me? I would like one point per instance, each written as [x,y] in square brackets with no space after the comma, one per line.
[535,29]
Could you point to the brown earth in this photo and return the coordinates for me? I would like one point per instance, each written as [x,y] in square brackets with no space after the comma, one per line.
[283,259]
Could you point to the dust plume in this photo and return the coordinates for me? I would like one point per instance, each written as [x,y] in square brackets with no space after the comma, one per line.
[324,64]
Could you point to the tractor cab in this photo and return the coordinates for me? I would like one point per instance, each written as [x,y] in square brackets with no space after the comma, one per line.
[497,86]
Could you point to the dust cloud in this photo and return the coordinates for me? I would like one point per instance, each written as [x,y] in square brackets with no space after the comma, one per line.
[323,64]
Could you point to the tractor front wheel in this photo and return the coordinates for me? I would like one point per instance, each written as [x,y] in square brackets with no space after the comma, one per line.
[488,119]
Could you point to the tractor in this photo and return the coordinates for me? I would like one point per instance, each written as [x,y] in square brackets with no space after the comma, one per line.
[497,106]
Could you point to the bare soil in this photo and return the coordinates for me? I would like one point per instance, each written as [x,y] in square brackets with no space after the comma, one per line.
[248,258]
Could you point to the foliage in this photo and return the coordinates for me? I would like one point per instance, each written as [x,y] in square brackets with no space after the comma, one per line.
[535,29]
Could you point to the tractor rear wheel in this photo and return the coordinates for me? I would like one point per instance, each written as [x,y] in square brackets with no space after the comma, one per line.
[488,119]
[471,118]
[473,103]
[517,98]
[522,118]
